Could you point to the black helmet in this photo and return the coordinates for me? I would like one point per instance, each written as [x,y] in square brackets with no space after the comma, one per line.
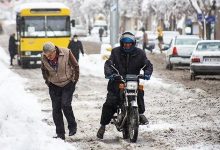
[127,37]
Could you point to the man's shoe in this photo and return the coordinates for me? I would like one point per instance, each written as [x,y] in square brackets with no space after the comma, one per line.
[61,136]
[143,120]
[72,131]
[101,132]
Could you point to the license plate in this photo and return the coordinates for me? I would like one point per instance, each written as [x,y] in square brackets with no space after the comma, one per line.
[216,60]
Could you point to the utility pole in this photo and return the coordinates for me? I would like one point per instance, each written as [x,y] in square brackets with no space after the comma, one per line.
[114,22]
[204,25]
[213,23]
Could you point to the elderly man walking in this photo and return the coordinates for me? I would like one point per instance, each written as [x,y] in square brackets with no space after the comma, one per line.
[61,72]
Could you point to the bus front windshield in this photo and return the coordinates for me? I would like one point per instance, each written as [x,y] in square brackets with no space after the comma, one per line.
[50,26]
[58,26]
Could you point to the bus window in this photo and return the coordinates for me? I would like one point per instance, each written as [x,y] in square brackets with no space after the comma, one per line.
[37,24]
[58,26]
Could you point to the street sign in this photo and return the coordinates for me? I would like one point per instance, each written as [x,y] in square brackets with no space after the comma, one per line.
[200,17]
[210,19]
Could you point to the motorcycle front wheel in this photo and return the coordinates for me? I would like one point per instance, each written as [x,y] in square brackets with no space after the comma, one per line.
[125,131]
[133,124]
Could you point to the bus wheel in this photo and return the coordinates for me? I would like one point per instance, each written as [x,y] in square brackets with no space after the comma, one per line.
[24,64]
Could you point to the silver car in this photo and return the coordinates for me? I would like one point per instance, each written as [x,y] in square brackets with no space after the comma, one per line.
[205,59]
[180,50]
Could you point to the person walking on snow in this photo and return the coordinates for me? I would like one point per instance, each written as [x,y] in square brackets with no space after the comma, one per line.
[75,46]
[60,71]
[101,31]
[12,48]
[145,40]
[160,38]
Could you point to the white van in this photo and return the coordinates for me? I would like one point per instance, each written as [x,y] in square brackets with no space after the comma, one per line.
[100,24]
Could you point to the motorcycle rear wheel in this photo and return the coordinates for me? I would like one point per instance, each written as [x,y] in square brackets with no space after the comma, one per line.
[133,124]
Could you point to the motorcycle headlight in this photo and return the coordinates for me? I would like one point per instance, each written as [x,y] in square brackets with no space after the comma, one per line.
[131,85]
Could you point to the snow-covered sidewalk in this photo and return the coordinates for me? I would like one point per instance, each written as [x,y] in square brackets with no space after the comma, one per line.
[21,126]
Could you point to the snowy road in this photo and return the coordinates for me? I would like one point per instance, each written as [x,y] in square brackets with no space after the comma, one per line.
[183,114]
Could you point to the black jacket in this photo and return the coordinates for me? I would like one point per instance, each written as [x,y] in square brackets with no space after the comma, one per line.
[75,47]
[127,63]
[12,47]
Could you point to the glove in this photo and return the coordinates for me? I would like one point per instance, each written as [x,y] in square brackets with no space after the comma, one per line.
[114,77]
[147,77]
[111,77]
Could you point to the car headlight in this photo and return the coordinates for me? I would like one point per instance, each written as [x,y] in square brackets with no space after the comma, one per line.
[27,53]
[132,85]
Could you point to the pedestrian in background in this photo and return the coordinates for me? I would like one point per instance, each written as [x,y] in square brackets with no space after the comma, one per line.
[75,46]
[12,48]
[145,40]
[89,29]
[101,31]
[60,71]
[160,37]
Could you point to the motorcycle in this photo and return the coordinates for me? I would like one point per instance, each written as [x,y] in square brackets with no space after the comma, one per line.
[127,115]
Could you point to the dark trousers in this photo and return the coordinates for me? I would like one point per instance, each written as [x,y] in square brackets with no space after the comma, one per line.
[11,58]
[111,103]
[61,101]
[76,55]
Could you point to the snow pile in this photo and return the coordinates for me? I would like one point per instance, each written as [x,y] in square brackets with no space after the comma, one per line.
[92,65]
[21,127]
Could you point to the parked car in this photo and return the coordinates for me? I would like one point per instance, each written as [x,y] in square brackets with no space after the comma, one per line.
[205,59]
[169,35]
[151,39]
[79,30]
[100,24]
[180,50]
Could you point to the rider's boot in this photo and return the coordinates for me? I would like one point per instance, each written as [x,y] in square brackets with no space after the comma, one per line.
[143,119]
[101,132]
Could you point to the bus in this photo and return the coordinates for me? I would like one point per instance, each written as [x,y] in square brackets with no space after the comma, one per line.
[37,23]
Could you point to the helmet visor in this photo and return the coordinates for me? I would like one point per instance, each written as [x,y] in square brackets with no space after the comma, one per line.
[127,40]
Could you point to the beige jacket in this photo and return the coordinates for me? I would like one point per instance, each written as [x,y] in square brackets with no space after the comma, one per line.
[68,68]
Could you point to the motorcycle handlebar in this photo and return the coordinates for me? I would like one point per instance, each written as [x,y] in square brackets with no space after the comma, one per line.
[119,77]
[141,76]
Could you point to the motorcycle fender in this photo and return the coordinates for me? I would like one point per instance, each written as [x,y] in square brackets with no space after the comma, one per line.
[134,103]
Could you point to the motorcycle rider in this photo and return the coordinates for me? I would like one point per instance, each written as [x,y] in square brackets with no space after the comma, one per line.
[127,59]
